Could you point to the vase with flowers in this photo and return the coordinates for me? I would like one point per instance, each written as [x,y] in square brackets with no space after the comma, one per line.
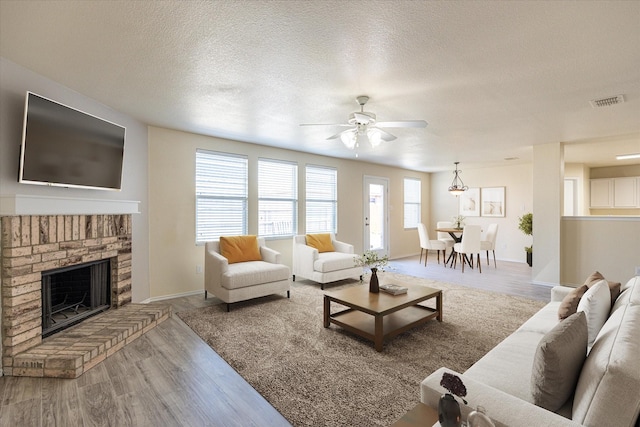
[374,262]
[448,407]
[458,221]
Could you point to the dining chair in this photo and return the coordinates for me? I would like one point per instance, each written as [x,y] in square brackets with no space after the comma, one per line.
[426,244]
[469,245]
[489,242]
[444,236]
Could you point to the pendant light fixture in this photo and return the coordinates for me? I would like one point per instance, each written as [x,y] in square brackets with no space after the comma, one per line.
[457,187]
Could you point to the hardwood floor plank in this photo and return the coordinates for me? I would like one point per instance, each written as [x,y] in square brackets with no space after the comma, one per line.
[98,406]
[17,390]
[25,413]
[60,405]
[142,409]
[95,375]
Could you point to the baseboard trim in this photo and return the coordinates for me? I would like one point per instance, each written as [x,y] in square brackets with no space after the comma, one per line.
[547,284]
[165,297]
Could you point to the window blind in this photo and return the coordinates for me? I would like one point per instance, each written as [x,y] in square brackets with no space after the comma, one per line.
[277,198]
[321,199]
[412,202]
[221,195]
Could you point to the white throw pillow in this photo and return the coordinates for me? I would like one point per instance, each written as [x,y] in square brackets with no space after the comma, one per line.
[596,304]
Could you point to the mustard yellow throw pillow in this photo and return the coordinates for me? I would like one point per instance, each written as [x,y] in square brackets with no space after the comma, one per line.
[322,242]
[240,248]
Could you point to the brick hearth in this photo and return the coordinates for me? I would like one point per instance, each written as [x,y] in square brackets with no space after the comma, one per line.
[70,353]
[32,244]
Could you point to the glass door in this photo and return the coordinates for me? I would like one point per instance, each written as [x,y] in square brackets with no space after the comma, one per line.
[376,217]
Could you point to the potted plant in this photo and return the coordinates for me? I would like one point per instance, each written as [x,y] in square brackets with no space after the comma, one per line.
[525,224]
[373,262]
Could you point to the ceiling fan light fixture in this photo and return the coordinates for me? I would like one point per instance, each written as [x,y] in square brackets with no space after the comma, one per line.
[349,139]
[375,137]
[457,187]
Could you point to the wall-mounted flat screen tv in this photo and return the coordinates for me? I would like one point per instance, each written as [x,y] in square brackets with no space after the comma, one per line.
[64,147]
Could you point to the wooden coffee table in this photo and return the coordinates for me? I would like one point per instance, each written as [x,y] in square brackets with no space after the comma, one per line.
[380,316]
[420,416]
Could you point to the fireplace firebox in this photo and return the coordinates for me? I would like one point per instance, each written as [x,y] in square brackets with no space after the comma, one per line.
[72,294]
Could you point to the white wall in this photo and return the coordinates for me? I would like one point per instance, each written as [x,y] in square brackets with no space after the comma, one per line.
[548,188]
[517,180]
[610,245]
[15,81]
[174,254]
[580,173]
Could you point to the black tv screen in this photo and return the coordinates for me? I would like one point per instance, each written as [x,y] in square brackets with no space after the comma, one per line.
[64,147]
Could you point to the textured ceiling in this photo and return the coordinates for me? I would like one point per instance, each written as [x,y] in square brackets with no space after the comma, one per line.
[491,78]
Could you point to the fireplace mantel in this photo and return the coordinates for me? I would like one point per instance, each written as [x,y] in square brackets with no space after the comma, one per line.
[20,204]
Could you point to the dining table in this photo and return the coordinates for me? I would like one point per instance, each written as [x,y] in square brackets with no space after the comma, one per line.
[456,235]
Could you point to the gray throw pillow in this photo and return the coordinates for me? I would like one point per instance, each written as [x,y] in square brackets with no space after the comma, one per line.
[569,304]
[558,362]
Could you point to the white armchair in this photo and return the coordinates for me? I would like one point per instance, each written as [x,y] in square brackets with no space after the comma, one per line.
[241,281]
[324,267]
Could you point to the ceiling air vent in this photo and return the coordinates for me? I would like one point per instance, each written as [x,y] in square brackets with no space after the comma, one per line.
[605,102]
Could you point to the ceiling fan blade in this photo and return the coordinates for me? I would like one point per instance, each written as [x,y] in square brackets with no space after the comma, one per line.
[364,118]
[403,124]
[386,136]
[326,124]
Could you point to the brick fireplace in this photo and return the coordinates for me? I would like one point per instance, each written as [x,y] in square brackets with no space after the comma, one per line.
[32,244]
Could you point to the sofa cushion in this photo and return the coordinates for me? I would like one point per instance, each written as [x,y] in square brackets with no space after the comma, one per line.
[507,366]
[322,242]
[332,261]
[543,320]
[607,390]
[250,273]
[596,304]
[630,294]
[569,304]
[240,248]
[558,361]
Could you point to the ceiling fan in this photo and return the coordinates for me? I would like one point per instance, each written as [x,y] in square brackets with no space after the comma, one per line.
[364,123]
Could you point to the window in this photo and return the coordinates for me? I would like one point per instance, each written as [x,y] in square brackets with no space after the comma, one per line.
[221,195]
[322,199]
[411,202]
[277,198]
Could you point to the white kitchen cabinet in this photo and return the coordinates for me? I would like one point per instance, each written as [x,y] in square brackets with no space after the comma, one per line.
[601,193]
[623,192]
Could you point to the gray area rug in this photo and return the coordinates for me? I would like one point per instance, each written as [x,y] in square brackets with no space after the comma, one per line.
[328,377]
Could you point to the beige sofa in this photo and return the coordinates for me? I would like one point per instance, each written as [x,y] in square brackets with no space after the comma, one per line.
[608,386]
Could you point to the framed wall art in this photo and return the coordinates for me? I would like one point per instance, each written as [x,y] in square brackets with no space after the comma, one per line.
[470,202]
[493,203]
